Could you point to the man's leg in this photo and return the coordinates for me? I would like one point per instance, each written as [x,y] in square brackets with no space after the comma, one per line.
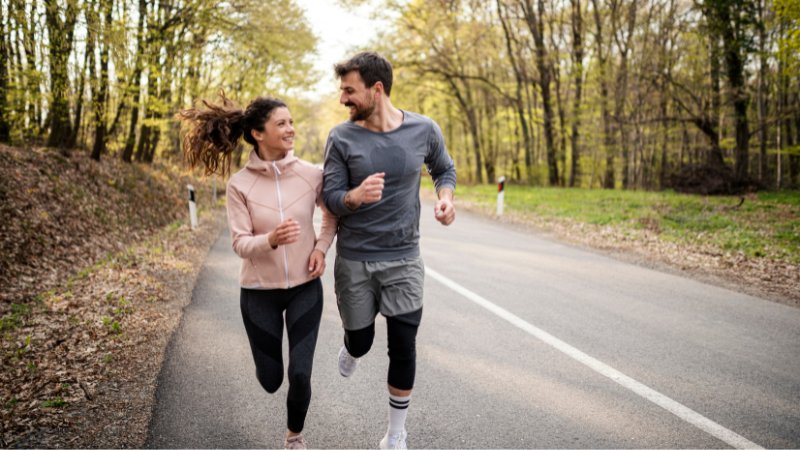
[402,335]
[356,299]
[359,342]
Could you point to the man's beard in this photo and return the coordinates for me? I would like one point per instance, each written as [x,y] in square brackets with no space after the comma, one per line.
[361,113]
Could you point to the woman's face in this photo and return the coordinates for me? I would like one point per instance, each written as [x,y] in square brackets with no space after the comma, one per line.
[278,135]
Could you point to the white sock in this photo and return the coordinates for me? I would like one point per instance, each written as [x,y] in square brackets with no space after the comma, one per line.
[398,409]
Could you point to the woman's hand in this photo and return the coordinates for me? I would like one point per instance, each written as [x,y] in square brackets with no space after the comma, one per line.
[316,264]
[285,233]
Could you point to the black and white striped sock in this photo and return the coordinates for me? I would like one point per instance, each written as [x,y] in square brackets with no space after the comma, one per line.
[398,409]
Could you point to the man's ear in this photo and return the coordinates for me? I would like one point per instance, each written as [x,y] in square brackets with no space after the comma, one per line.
[379,87]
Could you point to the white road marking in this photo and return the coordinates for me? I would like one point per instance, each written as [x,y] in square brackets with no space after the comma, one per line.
[698,420]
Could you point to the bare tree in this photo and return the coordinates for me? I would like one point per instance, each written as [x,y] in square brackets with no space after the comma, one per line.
[535,21]
[577,76]
[60,33]
[5,130]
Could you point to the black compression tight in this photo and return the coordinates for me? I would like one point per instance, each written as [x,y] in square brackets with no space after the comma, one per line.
[262,312]
[401,333]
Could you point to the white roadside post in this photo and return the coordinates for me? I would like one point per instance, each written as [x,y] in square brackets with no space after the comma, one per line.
[192,206]
[214,191]
[501,185]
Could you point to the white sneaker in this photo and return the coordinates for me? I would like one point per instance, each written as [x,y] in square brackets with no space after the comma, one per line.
[394,441]
[295,443]
[347,364]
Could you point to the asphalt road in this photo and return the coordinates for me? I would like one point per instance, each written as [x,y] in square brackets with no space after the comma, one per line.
[525,343]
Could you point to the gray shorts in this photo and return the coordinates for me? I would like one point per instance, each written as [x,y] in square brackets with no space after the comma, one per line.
[364,288]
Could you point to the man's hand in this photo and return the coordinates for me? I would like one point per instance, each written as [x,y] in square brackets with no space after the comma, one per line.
[444,210]
[316,264]
[369,191]
[285,233]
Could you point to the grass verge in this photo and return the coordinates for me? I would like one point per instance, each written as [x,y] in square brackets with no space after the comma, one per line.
[762,225]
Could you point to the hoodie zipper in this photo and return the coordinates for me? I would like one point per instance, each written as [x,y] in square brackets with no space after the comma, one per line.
[280,208]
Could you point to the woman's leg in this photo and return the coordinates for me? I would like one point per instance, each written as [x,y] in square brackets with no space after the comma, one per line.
[262,313]
[303,315]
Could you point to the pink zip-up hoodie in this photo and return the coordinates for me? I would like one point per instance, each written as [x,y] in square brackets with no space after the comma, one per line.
[261,196]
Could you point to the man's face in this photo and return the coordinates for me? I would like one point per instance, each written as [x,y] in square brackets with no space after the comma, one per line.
[357,96]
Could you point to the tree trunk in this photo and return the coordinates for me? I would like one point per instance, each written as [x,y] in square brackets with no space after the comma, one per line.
[621,89]
[152,145]
[794,158]
[662,177]
[609,180]
[5,129]
[469,112]
[715,157]
[30,80]
[136,82]
[490,161]
[761,93]
[535,23]
[146,132]
[88,58]
[60,33]
[727,22]
[562,124]
[100,102]
[577,60]
[519,104]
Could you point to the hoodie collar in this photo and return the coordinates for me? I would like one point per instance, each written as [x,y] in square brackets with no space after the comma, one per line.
[259,165]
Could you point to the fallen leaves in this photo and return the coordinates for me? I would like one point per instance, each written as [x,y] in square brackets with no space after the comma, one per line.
[94,277]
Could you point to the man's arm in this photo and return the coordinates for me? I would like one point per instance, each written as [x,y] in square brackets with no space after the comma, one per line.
[336,179]
[369,191]
[444,210]
[443,171]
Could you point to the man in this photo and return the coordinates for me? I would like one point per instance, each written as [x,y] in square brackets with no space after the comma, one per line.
[371,181]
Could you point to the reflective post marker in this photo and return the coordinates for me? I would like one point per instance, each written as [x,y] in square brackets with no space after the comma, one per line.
[192,206]
[501,185]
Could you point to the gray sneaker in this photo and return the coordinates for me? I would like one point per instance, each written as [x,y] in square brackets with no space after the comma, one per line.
[295,442]
[394,441]
[347,364]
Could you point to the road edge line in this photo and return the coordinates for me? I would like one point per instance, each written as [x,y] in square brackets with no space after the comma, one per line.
[681,411]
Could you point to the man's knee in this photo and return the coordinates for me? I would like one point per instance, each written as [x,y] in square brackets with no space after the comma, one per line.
[359,342]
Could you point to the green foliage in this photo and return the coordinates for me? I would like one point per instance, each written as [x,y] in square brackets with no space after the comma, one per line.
[788,18]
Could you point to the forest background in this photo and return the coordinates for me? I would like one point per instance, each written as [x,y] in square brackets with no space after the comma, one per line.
[594,110]
[692,95]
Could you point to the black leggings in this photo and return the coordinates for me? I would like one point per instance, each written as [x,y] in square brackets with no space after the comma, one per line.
[401,333]
[262,311]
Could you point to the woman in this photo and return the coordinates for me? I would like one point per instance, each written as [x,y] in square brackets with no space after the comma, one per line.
[270,209]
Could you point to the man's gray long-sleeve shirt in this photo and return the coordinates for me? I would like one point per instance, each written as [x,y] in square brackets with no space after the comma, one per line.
[388,229]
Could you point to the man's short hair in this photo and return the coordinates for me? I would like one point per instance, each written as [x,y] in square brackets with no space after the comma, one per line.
[371,66]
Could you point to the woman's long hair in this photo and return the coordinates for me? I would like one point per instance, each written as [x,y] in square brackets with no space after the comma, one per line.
[214,132]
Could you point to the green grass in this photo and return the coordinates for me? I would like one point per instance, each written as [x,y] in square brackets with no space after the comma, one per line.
[57,402]
[765,225]
[16,317]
